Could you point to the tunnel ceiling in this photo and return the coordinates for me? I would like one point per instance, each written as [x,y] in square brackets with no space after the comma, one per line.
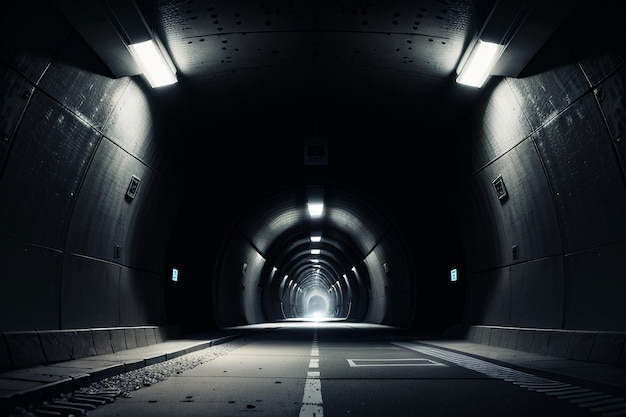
[381,57]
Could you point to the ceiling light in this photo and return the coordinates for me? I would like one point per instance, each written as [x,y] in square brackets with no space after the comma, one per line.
[153,63]
[315,209]
[316,238]
[315,251]
[477,67]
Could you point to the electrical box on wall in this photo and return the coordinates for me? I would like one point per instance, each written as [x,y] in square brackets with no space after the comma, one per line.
[498,185]
[133,187]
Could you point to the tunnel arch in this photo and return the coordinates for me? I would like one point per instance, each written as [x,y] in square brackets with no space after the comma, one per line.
[349,273]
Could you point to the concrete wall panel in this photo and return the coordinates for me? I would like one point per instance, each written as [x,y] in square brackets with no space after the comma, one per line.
[539,293]
[141,299]
[30,279]
[588,185]
[595,288]
[488,297]
[90,294]
[42,176]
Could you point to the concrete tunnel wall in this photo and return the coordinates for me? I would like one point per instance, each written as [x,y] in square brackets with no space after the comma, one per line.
[546,255]
[77,253]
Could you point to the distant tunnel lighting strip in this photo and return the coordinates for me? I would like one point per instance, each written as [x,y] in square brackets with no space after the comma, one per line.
[312,405]
[597,402]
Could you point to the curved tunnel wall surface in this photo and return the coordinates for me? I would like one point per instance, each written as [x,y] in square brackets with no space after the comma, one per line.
[548,252]
[76,252]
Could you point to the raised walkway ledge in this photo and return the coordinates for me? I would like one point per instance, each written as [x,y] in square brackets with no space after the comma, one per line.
[589,358]
[37,366]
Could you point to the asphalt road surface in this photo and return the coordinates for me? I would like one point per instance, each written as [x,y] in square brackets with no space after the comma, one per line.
[311,369]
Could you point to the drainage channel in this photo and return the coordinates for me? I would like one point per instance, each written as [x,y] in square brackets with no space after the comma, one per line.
[78,403]
[605,405]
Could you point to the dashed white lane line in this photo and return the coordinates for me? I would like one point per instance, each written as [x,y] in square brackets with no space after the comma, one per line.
[312,405]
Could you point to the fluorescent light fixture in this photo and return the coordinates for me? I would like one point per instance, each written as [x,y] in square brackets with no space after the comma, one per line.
[316,238]
[174,274]
[152,63]
[315,209]
[315,251]
[479,64]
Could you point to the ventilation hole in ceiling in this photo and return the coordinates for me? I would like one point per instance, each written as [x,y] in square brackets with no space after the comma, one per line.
[409,41]
[268,23]
[214,16]
[395,22]
[364,23]
[363,11]
[274,52]
[201,39]
[216,22]
[420,16]
[238,22]
[430,40]
[220,28]
[225,41]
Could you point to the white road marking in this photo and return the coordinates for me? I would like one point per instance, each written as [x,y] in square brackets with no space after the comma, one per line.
[356,363]
[312,397]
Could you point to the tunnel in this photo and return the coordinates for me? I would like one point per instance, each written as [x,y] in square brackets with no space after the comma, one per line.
[124,205]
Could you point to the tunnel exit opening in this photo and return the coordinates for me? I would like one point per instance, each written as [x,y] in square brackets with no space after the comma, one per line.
[317,306]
